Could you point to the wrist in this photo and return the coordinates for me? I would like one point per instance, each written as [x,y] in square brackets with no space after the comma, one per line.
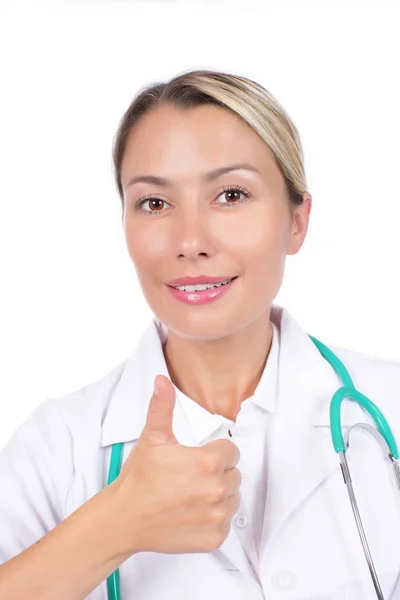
[120,537]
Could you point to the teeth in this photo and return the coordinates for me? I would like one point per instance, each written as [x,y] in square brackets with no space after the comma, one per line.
[201,287]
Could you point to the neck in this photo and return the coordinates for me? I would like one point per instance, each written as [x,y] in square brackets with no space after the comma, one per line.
[227,370]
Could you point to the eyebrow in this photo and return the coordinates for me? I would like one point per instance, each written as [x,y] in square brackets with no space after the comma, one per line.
[207,177]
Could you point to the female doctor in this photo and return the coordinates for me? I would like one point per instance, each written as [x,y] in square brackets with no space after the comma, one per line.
[228,485]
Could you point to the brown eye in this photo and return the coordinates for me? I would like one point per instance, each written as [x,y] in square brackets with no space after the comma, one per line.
[232,193]
[154,203]
[232,190]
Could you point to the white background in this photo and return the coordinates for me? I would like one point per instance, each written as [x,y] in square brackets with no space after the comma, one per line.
[71,306]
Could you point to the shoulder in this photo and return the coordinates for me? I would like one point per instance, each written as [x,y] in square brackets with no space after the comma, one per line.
[376,377]
[49,466]
[368,364]
[83,409]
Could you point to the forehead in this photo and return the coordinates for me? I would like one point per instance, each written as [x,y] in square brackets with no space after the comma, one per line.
[199,138]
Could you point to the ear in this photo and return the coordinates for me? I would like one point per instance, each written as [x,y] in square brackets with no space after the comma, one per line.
[300,221]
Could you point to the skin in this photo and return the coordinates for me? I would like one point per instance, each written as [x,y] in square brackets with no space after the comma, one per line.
[193,232]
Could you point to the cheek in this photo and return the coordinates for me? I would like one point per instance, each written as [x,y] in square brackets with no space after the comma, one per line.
[144,247]
[262,255]
[262,243]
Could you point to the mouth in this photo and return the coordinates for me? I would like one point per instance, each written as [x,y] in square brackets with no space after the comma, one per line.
[203,296]
[191,288]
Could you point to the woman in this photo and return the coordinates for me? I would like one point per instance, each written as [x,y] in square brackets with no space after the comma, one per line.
[229,486]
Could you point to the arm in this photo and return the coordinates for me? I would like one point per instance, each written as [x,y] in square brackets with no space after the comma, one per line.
[71,560]
[44,555]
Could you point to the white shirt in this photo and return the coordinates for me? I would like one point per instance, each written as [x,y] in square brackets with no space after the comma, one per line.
[294,534]
[251,433]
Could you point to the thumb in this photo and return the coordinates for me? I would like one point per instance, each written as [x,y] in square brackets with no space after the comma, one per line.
[158,427]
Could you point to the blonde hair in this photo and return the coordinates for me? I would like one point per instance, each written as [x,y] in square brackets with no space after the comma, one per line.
[244,97]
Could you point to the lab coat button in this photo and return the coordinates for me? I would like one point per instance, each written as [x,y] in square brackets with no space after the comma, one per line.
[284,580]
[241,521]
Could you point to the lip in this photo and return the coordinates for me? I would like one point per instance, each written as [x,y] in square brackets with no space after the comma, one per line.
[202,297]
[199,279]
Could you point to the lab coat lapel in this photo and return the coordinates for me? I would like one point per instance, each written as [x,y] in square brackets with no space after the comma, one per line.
[301,457]
[301,451]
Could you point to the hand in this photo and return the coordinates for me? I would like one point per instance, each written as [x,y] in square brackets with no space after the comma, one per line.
[172,498]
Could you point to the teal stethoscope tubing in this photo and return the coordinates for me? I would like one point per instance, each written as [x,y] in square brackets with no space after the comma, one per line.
[348,390]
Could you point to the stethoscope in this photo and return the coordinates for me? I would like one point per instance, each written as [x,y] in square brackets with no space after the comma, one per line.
[382,434]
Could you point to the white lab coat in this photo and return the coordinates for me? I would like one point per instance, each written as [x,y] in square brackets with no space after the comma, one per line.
[309,548]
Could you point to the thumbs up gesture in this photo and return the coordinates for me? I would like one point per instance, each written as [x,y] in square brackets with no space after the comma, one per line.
[172,498]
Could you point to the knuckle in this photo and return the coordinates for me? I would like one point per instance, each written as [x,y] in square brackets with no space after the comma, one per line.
[217,540]
[235,449]
[216,493]
[210,462]
[219,517]
[239,478]
[211,544]
[238,501]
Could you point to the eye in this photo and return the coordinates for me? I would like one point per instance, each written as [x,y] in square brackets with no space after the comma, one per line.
[228,189]
[141,201]
[235,189]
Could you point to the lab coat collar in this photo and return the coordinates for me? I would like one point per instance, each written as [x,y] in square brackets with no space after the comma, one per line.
[305,380]
[205,424]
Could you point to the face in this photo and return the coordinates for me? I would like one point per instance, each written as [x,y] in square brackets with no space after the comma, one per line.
[238,224]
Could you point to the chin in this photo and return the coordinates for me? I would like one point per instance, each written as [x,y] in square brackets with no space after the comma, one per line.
[203,329]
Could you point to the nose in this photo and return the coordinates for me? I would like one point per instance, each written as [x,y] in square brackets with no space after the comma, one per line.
[192,235]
